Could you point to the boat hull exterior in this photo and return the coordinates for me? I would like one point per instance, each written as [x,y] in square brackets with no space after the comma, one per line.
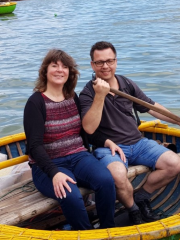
[7,8]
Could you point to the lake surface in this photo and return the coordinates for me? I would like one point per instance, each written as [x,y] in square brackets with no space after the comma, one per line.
[145,33]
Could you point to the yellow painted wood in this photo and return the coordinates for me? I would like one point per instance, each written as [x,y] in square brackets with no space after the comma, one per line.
[13,161]
[155,230]
[148,124]
[12,138]
[169,131]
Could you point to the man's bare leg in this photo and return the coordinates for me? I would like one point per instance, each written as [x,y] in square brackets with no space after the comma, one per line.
[124,191]
[167,168]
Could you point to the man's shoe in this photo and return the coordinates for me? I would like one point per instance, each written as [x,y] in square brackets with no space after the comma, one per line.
[135,217]
[146,211]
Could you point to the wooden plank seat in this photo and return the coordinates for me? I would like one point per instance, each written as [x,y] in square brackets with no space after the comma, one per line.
[22,201]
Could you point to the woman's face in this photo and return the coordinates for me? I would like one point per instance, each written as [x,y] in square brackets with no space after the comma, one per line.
[57,73]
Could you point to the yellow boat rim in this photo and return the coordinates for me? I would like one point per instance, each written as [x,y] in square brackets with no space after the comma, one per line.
[148,231]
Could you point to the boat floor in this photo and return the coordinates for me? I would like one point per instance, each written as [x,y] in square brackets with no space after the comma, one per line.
[122,219]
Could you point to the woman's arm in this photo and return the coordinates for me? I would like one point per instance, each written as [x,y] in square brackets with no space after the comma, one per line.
[34,130]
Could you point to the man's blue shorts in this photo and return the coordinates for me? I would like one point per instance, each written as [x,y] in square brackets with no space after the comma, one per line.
[144,152]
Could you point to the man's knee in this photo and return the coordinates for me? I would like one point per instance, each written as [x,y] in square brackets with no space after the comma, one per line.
[170,162]
[175,165]
[119,173]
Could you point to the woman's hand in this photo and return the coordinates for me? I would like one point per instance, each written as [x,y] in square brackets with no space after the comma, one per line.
[115,148]
[60,182]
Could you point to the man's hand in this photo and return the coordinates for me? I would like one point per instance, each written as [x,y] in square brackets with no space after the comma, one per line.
[60,182]
[115,148]
[101,87]
[92,118]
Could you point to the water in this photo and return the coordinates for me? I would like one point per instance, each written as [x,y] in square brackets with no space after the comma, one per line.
[145,33]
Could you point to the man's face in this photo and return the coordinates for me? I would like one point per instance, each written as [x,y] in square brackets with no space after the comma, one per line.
[108,68]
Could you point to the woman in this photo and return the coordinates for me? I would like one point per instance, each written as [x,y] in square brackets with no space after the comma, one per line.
[58,158]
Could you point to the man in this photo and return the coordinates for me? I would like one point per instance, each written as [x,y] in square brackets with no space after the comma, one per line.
[109,115]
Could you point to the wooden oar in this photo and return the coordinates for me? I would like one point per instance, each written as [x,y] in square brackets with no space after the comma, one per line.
[145,104]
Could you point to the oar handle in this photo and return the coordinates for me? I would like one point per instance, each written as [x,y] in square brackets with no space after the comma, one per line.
[145,104]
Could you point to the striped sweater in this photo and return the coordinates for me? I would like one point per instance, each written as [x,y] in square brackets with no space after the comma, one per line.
[62,128]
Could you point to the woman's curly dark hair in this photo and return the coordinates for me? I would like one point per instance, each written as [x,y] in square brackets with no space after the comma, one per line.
[55,55]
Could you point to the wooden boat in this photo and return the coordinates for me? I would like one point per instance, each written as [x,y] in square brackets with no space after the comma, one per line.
[7,7]
[17,206]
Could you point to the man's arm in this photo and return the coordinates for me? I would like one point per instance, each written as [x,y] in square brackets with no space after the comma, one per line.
[160,116]
[92,118]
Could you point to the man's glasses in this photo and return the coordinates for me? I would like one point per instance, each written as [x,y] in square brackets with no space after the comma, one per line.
[109,62]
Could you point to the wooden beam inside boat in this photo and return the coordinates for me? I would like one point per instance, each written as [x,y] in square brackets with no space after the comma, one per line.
[20,205]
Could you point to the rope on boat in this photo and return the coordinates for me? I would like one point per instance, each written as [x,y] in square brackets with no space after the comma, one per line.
[25,188]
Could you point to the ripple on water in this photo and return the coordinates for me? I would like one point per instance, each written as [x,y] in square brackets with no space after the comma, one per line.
[145,33]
